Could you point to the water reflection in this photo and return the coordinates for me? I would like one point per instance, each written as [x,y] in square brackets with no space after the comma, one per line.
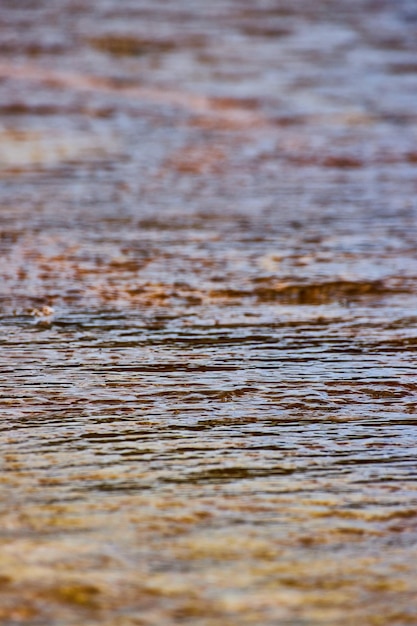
[207,313]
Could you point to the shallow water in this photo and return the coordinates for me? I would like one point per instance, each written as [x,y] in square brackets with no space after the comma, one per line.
[208,313]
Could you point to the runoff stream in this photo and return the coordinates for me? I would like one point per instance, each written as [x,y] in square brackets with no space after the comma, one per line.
[208,313]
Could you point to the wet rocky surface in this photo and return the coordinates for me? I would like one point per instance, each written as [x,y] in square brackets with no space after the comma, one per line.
[208,312]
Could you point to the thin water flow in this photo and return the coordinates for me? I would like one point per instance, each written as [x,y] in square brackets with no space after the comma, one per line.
[208,313]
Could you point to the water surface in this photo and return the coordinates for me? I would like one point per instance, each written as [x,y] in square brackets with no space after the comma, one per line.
[208,313]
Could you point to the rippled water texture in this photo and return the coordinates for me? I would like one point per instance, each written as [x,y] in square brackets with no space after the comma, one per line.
[208,320]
